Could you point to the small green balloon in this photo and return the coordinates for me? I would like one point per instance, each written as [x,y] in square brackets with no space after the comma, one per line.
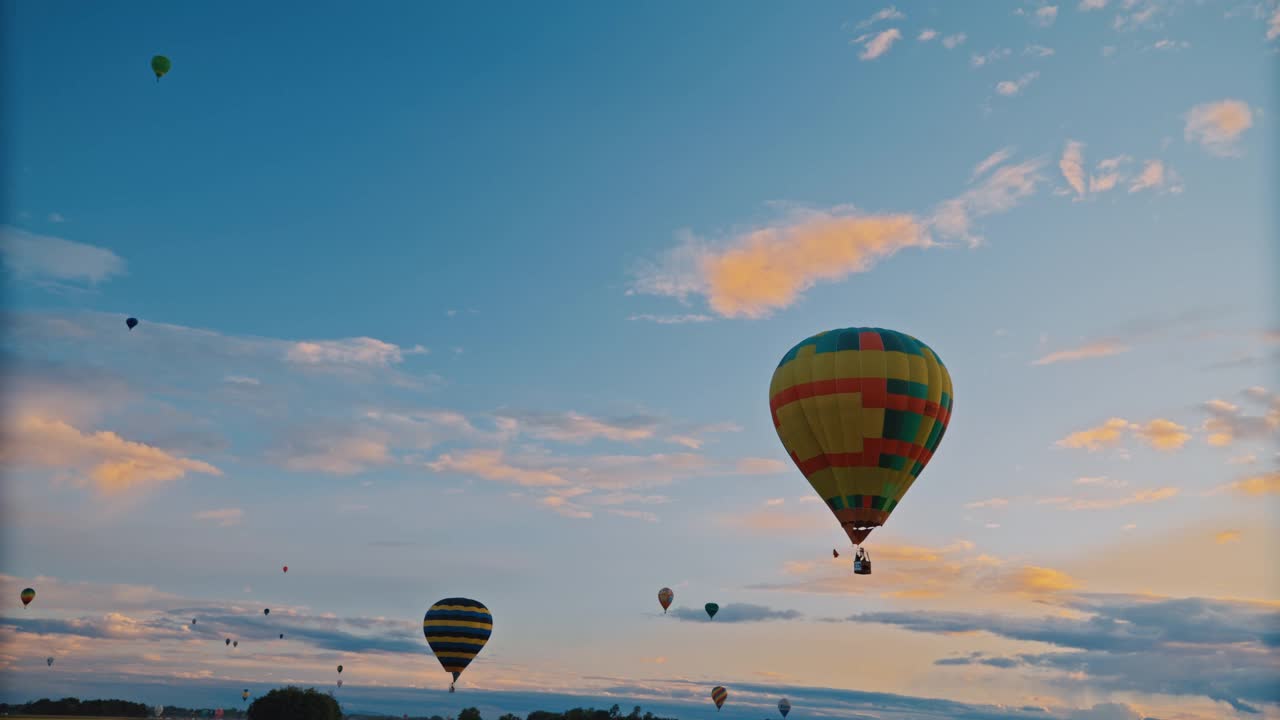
[160,65]
[712,609]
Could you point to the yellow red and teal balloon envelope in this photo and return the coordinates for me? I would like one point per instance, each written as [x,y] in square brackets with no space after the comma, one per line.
[27,596]
[665,596]
[861,411]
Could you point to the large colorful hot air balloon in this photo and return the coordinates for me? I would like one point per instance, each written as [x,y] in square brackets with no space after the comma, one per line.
[160,65]
[712,609]
[861,412]
[27,596]
[665,596]
[457,630]
[718,696]
[784,707]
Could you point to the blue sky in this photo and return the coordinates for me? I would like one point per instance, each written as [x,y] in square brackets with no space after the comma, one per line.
[484,301]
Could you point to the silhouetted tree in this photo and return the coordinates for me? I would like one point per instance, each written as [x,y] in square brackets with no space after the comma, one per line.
[509,716]
[294,703]
[470,713]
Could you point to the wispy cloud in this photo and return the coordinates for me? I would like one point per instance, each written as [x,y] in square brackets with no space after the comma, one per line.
[1009,88]
[951,42]
[1095,349]
[224,517]
[990,161]
[1001,191]
[927,34]
[1228,423]
[879,44]
[1072,166]
[1087,5]
[1141,497]
[1255,485]
[1159,433]
[1217,126]
[359,351]
[103,460]
[989,57]
[1224,537]
[1045,16]
[43,259]
[672,319]
[1152,176]
[763,270]
[889,13]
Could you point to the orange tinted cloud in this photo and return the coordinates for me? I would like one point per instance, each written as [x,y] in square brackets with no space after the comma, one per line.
[1257,485]
[1159,433]
[490,465]
[1227,536]
[1108,434]
[103,459]
[1162,434]
[1033,580]
[768,269]
[1217,125]
[1101,348]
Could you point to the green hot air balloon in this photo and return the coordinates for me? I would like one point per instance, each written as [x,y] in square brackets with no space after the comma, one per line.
[160,65]
[712,609]
[27,596]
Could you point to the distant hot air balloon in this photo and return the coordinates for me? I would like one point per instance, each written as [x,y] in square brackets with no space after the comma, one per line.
[266,611]
[861,412]
[339,669]
[665,596]
[49,661]
[193,621]
[228,641]
[784,707]
[718,696]
[245,695]
[131,322]
[159,709]
[457,630]
[235,643]
[217,713]
[834,554]
[27,596]
[712,609]
[339,682]
[160,65]
[281,636]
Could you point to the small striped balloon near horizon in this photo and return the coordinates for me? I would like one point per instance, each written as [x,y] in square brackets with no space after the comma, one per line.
[719,695]
[784,707]
[457,630]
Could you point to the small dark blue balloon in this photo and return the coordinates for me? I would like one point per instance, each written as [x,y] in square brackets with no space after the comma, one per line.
[131,322]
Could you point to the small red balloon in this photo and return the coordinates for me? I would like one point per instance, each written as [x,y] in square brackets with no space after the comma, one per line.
[286,568]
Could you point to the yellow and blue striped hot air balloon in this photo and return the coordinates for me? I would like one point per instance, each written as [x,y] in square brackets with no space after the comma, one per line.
[718,696]
[457,630]
[861,412]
